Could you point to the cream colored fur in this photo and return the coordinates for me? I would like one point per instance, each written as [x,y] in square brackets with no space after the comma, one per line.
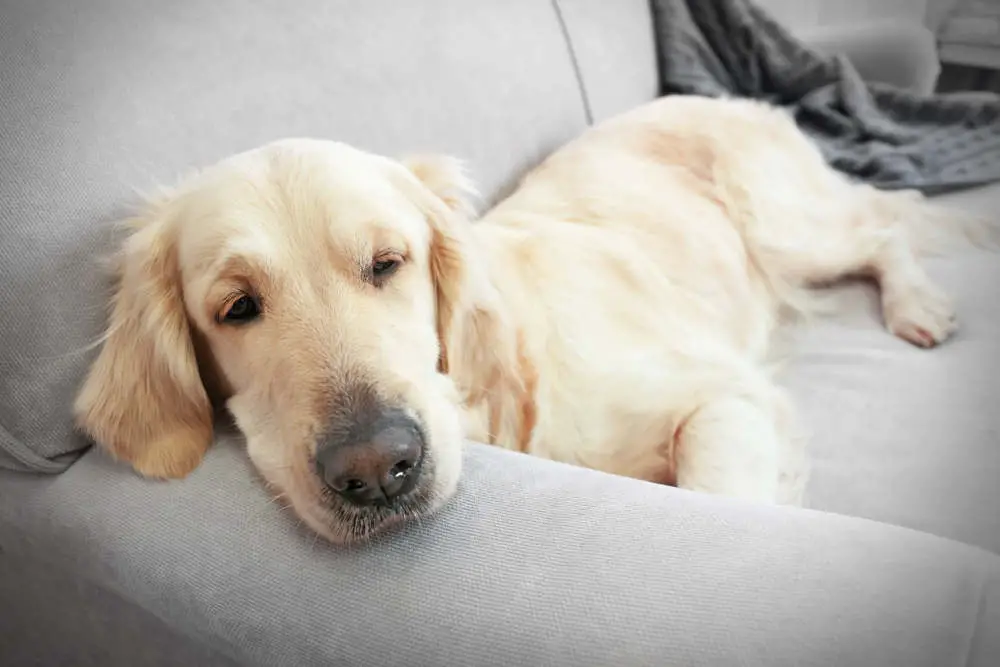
[615,312]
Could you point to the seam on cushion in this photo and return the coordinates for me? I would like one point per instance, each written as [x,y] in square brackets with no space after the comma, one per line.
[584,97]
[980,612]
[28,458]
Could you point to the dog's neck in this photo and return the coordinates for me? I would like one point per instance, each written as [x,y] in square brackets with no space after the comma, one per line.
[488,360]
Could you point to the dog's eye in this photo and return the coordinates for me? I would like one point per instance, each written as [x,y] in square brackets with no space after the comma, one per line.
[242,310]
[383,268]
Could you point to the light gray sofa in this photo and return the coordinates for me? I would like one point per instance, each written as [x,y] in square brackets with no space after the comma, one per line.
[894,563]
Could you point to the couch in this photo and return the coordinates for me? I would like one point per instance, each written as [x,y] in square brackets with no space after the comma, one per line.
[895,560]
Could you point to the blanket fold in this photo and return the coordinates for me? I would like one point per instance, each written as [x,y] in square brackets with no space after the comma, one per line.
[886,136]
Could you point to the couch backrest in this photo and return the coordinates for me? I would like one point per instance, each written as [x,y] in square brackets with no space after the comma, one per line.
[102,98]
[614,49]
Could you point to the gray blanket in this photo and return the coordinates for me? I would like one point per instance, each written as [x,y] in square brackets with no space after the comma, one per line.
[886,136]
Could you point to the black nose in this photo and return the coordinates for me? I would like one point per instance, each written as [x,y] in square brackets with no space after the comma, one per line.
[376,462]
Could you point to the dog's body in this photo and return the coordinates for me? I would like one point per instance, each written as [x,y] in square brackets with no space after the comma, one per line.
[615,312]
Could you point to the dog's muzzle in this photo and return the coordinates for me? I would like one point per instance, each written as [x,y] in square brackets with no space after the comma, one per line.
[375,460]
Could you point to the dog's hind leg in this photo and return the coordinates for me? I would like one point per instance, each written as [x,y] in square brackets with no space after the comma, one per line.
[846,230]
[878,234]
[805,224]
[913,307]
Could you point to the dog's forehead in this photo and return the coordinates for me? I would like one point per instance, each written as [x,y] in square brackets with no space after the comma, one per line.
[298,193]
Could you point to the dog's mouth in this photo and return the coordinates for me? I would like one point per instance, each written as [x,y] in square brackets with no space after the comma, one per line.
[360,526]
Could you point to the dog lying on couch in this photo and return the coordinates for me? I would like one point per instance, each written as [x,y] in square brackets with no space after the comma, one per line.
[616,311]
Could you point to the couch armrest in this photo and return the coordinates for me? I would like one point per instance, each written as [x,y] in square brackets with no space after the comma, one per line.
[533,563]
[898,53]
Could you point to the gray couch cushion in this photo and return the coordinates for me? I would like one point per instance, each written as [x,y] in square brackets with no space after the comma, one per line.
[102,98]
[533,563]
[73,621]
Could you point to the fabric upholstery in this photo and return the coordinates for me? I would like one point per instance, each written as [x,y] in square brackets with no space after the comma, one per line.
[614,47]
[50,617]
[534,563]
[104,98]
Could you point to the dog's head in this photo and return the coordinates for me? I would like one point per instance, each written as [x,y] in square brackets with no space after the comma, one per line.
[311,286]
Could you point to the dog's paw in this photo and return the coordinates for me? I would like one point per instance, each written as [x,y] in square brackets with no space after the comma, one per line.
[920,314]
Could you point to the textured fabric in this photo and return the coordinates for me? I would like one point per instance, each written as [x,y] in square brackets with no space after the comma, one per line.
[984,201]
[884,135]
[102,98]
[533,563]
[615,49]
[51,617]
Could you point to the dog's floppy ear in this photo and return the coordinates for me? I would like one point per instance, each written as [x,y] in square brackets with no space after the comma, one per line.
[459,281]
[479,345]
[143,400]
[445,177]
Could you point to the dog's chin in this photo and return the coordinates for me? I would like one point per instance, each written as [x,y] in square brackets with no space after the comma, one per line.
[360,527]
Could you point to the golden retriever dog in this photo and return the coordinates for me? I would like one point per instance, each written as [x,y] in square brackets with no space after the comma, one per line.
[615,312]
